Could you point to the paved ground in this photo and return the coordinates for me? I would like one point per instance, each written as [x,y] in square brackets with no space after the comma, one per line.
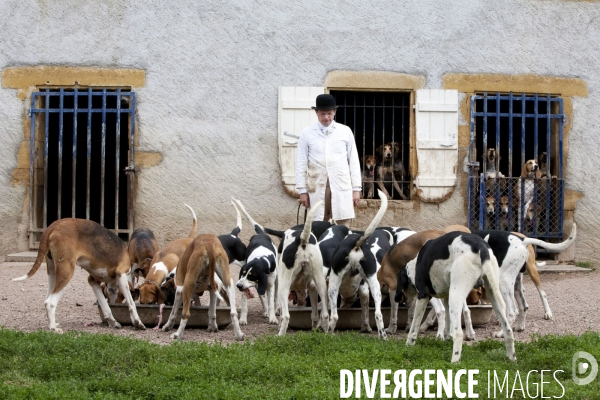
[573,297]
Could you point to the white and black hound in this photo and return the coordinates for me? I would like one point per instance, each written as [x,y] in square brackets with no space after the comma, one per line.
[353,284]
[318,228]
[398,233]
[329,242]
[232,244]
[350,258]
[301,263]
[448,268]
[512,254]
[259,271]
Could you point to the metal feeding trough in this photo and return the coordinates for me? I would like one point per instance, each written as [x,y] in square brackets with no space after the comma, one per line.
[351,318]
[149,315]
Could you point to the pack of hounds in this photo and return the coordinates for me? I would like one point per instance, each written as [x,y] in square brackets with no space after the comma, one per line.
[317,262]
[525,203]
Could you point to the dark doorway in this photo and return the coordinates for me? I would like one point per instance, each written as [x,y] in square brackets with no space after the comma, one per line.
[377,118]
[88,135]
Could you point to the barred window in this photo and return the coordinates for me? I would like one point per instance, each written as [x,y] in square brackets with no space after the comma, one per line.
[381,125]
[516,154]
[81,152]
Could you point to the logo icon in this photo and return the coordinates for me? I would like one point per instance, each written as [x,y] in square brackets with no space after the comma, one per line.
[581,367]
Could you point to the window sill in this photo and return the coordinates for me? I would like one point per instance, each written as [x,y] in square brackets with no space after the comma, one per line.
[392,204]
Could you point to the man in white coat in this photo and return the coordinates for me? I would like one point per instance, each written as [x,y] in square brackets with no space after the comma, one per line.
[327,166]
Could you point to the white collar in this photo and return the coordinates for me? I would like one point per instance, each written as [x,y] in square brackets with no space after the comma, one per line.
[323,127]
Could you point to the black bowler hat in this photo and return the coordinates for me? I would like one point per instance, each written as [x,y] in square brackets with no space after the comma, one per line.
[325,102]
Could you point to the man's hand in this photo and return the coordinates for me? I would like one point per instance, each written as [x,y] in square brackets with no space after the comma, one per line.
[355,198]
[305,200]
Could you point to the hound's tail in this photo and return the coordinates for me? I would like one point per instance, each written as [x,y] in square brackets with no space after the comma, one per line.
[238,228]
[273,232]
[554,246]
[371,228]
[210,264]
[257,227]
[308,224]
[194,225]
[43,250]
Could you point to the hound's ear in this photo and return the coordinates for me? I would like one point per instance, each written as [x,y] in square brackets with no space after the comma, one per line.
[524,170]
[164,292]
[135,293]
[538,173]
[403,282]
[262,284]
[396,147]
[170,284]
[161,295]
[379,150]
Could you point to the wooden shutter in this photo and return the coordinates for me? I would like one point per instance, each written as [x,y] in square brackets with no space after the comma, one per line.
[295,114]
[436,119]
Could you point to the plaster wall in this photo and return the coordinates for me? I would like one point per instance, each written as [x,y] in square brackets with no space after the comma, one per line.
[207,112]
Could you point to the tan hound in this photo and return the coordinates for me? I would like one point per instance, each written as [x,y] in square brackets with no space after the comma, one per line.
[69,242]
[202,259]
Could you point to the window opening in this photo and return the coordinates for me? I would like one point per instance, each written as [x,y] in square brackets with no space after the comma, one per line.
[81,156]
[378,119]
[508,130]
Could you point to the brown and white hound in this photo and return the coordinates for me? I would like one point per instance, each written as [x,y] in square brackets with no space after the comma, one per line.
[71,241]
[142,248]
[163,262]
[391,169]
[491,171]
[526,186]
[201,260]
[368,176]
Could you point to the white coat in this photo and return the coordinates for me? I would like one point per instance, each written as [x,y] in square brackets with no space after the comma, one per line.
[332,156]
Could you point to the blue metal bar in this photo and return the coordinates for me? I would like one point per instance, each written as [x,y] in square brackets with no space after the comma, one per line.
[117,161]
[485,131]
[497,161]
[526,115]
[536,126]
[46,123]
[560,139]
[74,159]
[484,162]
[510,134]
[70,110]
[88,153]
[472,159]
[536,137]
[498,132]
[32,212]
[60,153]
[547,179]
[522,194]
[481,201]
[103,159]
[510,182]
[561,214]
[131,164]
